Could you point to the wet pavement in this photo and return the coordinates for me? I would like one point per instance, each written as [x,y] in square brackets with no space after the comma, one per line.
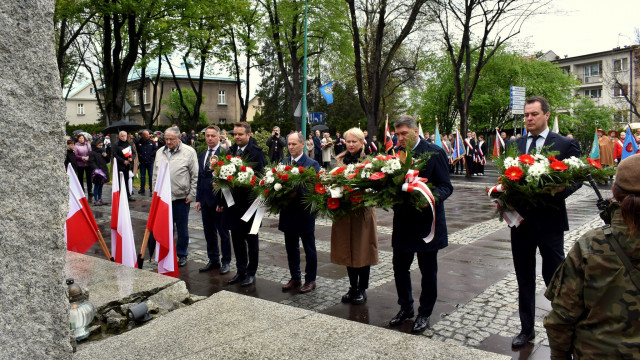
[477,290]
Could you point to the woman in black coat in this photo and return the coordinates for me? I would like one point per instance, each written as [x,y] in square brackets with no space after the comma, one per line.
[98,161]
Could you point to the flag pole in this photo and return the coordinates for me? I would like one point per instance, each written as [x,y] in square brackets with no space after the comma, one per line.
[144,246]
[303,118]
[103,245]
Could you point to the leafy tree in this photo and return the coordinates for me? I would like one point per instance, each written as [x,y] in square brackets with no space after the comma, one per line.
[70,19]
[176,108]
[587,117]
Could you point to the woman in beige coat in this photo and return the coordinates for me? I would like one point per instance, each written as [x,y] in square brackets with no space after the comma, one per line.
[354,239]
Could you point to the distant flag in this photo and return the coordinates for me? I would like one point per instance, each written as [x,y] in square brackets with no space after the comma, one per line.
[298,111]
[327,92]
[80,229]
[388,142]
[458,148]
[630,146]
[125,248]
[437,139]
[498,145]
[595,149]
[160,222]
[420,132]
[524,132]
[555,129]
[115,205]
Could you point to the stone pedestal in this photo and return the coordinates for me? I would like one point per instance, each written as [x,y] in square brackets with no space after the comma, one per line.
[34,309]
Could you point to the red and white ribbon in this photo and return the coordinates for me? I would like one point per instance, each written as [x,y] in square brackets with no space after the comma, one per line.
[258,208]
[413,182]
[511,217]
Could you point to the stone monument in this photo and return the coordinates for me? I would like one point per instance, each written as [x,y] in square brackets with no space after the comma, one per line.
[34,309]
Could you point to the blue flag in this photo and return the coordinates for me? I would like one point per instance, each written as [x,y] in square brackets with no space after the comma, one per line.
[458,148]
[595,149]
[438,140]
[630,146]
[327,92]
[524,132]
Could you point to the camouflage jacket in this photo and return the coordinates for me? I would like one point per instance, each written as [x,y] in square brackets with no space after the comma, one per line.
[595,306]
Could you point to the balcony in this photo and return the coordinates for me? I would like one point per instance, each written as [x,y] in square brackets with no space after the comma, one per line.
[590,80]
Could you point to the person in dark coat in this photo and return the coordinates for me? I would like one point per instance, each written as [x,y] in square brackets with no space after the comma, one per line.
[207,203]
[411,227]
[317,147]
[543,227]
[123,152]
[276,144]
[146,157]
[245,245]
[98,160]
[297,223]
[339,144]
[71,156]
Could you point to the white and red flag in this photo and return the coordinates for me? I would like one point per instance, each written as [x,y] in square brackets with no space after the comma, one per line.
[160,223]
[115,204]
[124,248]
[388,141]
[80,229]
[498,145]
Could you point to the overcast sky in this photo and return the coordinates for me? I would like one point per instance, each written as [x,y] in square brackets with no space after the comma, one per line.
[580,27]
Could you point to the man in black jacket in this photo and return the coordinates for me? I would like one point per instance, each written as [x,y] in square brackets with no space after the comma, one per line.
[245,245]
[543,227]
[276,144]
[146,156]
[124,156]
[412,229]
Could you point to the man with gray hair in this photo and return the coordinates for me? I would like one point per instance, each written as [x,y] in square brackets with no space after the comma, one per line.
[183,167]
[124,157]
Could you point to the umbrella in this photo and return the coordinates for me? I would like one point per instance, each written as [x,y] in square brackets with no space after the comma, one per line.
[121,125]
[78,132]
[320,127]
[634,126]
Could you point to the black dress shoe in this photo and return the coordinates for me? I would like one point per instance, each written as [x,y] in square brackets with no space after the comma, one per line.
[401,317]
[210,266]
[360,297]
[131,199]
[522,339]
[346,298]
[236,279]
[141,191]
[249,280]
[420,324]
[224,269]
[182,261]
[292,284]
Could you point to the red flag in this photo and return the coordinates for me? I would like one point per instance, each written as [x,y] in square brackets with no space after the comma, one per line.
[498,145]
[125,248]
[388,141]
[80,229]
[160,222]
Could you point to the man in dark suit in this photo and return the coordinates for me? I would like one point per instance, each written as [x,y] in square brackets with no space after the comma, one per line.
[208,204]
[412,226]
[296,222]
[543,227]
[245,245]
[317,147]
[276,144]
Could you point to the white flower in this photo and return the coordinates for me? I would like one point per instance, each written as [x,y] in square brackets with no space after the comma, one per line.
[350,170]
[269,179]
[394,164]
[243,177]
[365,174]
[336,192]
[227,170]
[277,187]
[537,169]
[295,171]
[236,161]
[509,162]
[574,163]
[541,159]
[280,167]
[368,165]
[249,170]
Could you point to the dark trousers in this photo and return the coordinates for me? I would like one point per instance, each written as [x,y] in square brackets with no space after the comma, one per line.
[428,263]
[292,244]
[212,224]
[318,158]
[81,171]
[181,219]
[245,246]
[143,169]
[524,242]
[359,277]
[125,186]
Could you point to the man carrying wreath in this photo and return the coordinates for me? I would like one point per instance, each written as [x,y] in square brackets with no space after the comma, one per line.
[412,226]
[543,227]
[296,222]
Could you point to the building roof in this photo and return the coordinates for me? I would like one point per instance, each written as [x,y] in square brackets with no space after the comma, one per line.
[613,51]
[76,89]
[179,70]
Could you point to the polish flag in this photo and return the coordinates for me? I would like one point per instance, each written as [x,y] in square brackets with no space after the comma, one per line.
[160,223]
[498,145]
[80,229]
[115,205]
[125,249]
[388,141]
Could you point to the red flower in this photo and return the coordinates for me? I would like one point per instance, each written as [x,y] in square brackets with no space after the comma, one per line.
[230,178]
[319,173]
[356,197]
[333,203]
[279,176]
[254,178]
[273,170]
[595,163]
[252,182]
[353,175]
[320,188]
[301,169]
[513,173]
[339,170]
[220,163]
[228,157]
[559,166]
[527,159]
[266,191]
[377,175]
[285,177]
[552,159]
[287,168]
[243,168]
[261,182]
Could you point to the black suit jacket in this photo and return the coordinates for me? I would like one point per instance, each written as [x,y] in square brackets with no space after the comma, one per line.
[231,216]
[296,218]
[204,190]
[550,218]
[411,226]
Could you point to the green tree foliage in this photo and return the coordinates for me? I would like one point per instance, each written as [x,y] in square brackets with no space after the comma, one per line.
[176,112]
[587,117]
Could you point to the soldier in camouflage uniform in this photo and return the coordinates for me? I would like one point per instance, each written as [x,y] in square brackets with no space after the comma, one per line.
[595,305]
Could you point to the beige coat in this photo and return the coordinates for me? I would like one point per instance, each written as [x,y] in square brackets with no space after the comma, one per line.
[354,239]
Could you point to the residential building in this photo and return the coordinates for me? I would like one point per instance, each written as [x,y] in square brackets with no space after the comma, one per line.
[606,77]
[82,104]
[254,108]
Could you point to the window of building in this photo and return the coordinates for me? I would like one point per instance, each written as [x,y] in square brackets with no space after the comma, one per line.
[80,109]
[593,93]
[621,116]
[592,72]
[620,90]
[144,96]
[259,102]
[565,70]
[222,97]
[135,97]
[222,121]
[620,64]
[92,90]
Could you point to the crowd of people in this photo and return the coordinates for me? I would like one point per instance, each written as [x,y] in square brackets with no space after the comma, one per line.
[354,238]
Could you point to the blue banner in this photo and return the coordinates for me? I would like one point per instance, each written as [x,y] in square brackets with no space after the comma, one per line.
[327,92]
[630,146]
